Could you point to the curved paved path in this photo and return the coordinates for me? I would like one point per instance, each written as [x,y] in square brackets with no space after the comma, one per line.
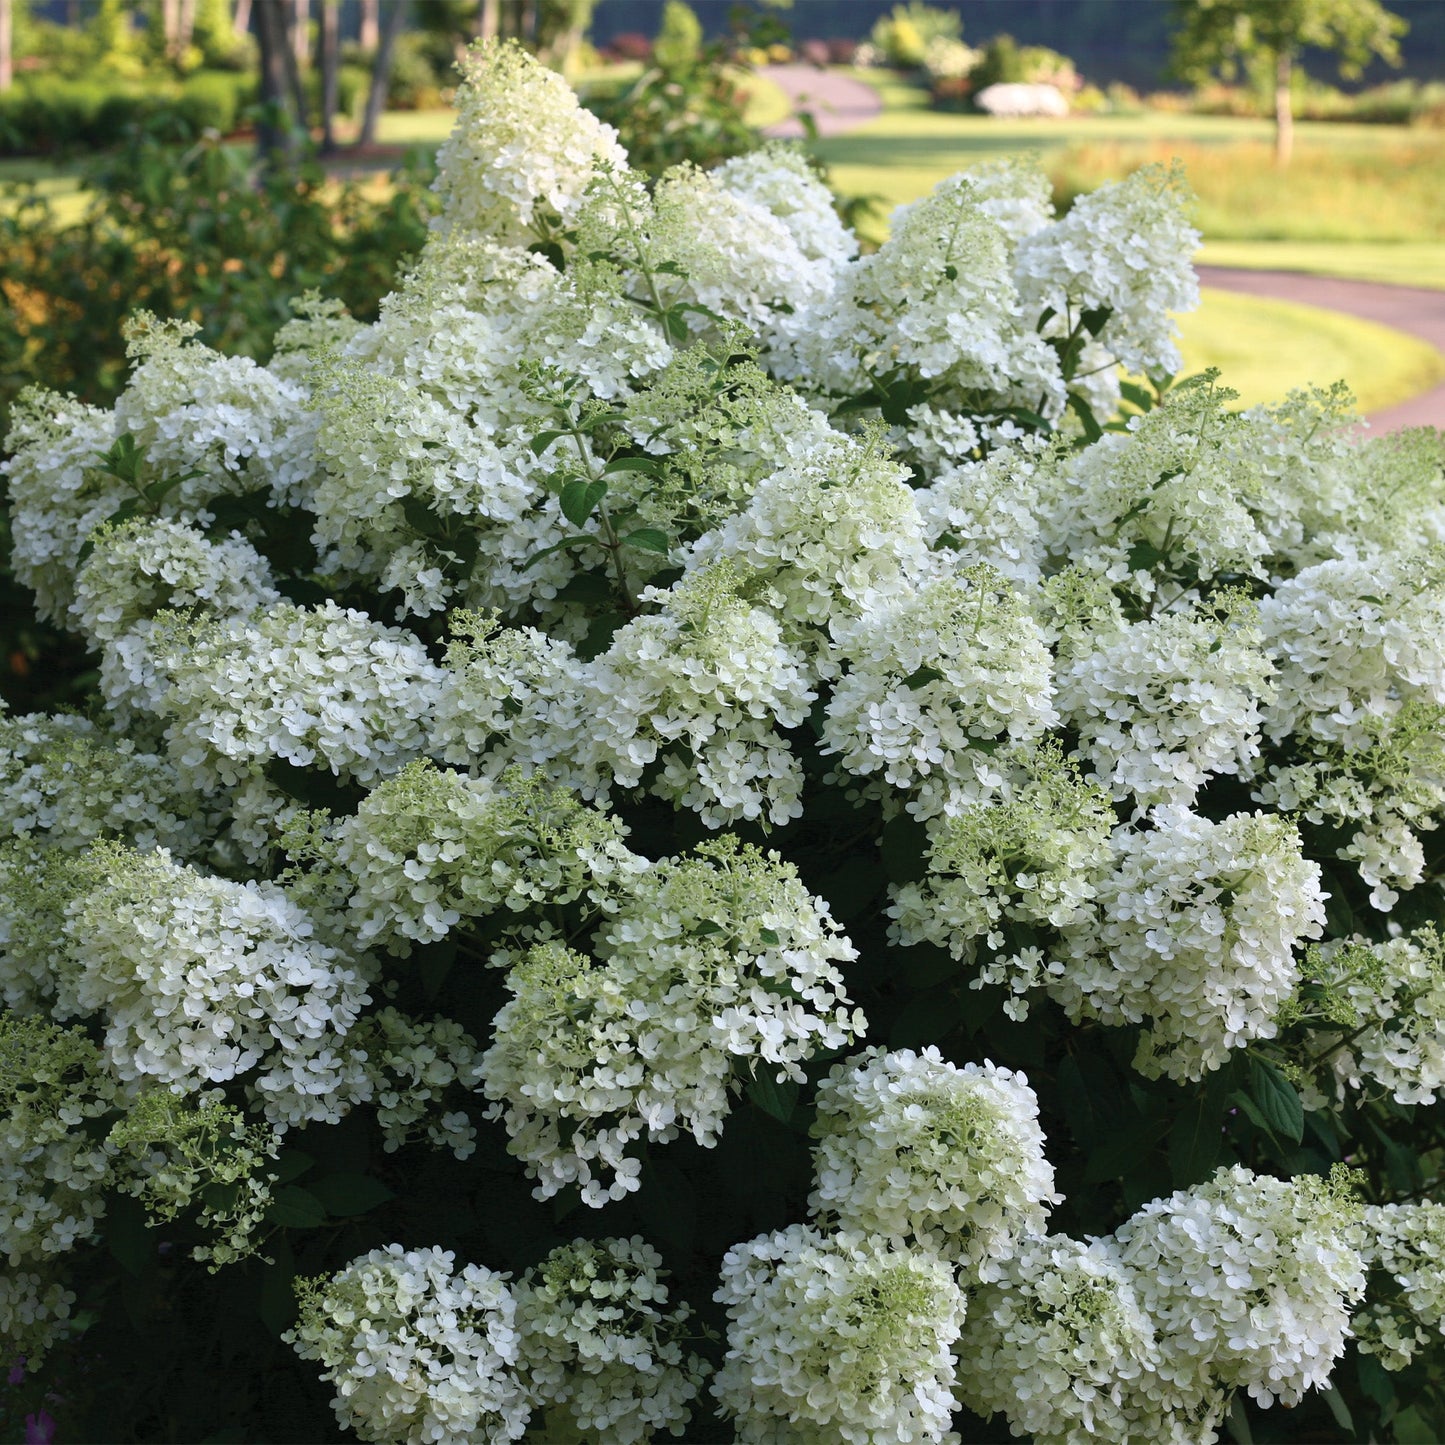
[1407,308]
[839,104]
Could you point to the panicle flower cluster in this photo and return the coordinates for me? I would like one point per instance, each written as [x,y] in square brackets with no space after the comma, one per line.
[1249,1280]
[699,688]
[823,533]
[984,512]
[1030,856]
[200,980]
[523,151]
[708,960]
[429,847]
[841,1337]
[1162,706]
[175,1152]
[912,1147]
[779,180]
[1195,933]
[64,783]
[599,1345]
[323,686]
[419,1076]
[1126,249]
[34,1314]
[1407,1243]
[1061,1346]
[54,1083]
[936,683]
[419,1351]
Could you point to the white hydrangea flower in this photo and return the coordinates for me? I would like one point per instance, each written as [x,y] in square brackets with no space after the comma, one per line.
[1030,856]
[712,959]
[321,686]
[1354,639]
[824,533]
[58,494]
[1195,934]
[224,423]
[1407,1242]
[65,783]
[144,567]
[778,178]
[838,1337]
[700,688]
[1168,497]
[936,682]
[1061,1346]
[201,980]
[34,1314]
[1249,1281]
[1165,704]
[416,1067]
[522,152]
[430,847]
[53,1084]
[420,1352]
[599,1345]
[1127,247]
[1016,193]
[912,1146]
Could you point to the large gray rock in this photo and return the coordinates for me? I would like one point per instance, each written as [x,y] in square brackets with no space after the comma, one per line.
[1020,100]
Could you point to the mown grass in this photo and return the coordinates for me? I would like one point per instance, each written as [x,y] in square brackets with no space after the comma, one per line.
[1268,348]
[1396,263]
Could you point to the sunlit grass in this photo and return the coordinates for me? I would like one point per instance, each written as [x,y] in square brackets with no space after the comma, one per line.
[1267,348]
[1397,263]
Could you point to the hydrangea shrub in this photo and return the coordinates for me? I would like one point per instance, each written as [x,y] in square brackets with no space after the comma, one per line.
[696,834]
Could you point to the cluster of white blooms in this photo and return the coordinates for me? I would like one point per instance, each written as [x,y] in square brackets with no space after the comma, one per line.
[937,682]
[707,961]
[34,1314]
[984,512]
[823,533]
[913,1147]
[779,180]
[143,567]
[430,847]
[321,686]
[420,1353]
[1030,856]
[1195,933]
[1124,249]
[599,1345]
[701,689]
[65,783]
[1163,705]
[53,1084]
[841,1337]
[416,1068]
[200,980]
[1249,1280]
[1062,1347]
[522,153]
[1406,1242]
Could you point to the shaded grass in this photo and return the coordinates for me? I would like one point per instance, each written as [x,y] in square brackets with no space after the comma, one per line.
[1267,348]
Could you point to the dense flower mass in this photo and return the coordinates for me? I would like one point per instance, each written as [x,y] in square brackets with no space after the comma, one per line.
[679,729]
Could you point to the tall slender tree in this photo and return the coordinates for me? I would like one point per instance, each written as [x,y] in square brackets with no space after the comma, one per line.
[1222,36]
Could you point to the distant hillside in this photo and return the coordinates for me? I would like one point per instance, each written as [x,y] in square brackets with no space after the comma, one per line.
[1124,40]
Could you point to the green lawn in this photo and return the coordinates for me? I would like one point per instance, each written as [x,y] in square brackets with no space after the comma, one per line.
[1267,348]
[1398,263]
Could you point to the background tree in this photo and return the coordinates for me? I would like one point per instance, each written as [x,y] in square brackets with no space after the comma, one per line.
[1219,36]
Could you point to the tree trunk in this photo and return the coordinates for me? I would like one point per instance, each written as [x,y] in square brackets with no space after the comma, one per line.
[330,71]
[489,19]
[301,32]
[276,138]
[170,27]
[185,26]
[242,22]
[289,63]
[1283,108]
[370,36]
[7,42]
[381,73]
